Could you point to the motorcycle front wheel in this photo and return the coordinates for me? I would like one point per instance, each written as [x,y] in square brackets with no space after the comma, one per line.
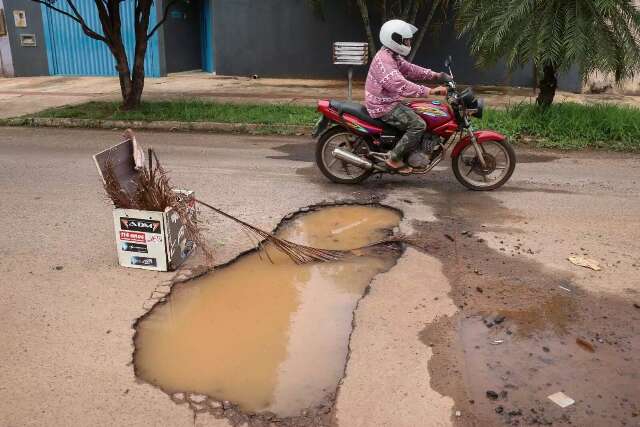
[500,160]
[337,170]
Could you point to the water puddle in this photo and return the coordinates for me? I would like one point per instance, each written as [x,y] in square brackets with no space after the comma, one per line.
[268,337]
[596,367]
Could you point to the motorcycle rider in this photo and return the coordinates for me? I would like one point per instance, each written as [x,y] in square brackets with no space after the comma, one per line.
[387,83]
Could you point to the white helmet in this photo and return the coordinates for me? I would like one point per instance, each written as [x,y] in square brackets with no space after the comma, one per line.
[394,32]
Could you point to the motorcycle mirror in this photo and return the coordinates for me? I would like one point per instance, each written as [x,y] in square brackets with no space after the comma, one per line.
[448,61]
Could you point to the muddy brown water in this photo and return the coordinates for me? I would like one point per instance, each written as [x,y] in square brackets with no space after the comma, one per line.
[268,336]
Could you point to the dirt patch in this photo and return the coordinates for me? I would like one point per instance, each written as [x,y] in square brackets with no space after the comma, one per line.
[524,331]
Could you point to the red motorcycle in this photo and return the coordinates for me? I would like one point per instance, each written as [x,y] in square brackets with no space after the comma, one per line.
[352,145]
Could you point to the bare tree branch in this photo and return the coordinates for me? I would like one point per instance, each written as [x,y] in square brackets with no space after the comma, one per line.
[164,18]
[85,28]
[407,9]
[414,11]
[364,12]
[425,26]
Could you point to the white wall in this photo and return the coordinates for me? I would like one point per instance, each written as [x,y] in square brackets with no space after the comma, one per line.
[599,82]
[6,63]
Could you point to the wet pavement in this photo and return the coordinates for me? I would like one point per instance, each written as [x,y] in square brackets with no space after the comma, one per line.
[420,351]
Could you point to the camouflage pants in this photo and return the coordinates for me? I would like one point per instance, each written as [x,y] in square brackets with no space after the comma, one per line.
[407,120]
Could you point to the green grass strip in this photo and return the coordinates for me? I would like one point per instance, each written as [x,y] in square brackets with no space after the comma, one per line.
[566,126]
[569,126]
[190,111]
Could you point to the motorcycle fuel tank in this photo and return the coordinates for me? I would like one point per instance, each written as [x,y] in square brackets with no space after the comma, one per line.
[435,113]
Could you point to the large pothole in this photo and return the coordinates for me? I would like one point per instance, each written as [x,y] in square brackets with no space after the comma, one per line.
[263,335]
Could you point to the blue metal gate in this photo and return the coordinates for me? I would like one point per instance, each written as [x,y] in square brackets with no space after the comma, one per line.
[70,52]
[206,39]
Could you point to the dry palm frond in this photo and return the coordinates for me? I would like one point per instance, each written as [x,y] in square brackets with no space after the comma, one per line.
[114,190]
[154,193]
[300,254]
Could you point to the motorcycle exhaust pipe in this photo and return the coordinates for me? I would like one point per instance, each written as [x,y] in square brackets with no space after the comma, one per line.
[351,158]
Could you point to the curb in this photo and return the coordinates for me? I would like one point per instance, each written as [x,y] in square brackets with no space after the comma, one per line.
[166,126]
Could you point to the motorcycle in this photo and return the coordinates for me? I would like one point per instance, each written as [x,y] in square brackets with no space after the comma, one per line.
[352,146]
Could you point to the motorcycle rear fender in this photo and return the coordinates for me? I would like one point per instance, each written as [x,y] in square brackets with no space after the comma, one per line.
[482,136]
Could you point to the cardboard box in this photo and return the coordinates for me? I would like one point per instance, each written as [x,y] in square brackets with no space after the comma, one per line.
[145,239]
[152,240]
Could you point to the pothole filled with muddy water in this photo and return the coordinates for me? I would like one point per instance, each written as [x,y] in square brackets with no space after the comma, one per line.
[267,335]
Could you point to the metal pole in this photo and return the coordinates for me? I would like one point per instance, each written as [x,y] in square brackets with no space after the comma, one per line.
[350,74]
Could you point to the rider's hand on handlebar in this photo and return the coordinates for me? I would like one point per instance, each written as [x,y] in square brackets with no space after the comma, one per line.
[446,77]
[440,90]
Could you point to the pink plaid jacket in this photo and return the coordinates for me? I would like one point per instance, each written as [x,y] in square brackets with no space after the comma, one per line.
[387,82]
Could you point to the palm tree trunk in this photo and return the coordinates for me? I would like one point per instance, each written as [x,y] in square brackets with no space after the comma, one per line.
[364,11]
[548,86]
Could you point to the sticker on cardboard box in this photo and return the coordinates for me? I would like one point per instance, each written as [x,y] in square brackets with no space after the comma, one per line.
[134,247]
[154,238]
[145,261]
[135,224]
[132,236]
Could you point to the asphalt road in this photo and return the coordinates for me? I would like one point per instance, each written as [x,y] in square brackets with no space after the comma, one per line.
[67,308]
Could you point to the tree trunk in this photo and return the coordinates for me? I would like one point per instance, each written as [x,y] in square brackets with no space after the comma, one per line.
[131,78]
[122,67]
[364,11]
[425,26]
[548,86]
[142,11]
[134,96]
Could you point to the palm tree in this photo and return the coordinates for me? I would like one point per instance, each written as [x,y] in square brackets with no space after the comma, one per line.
[595,35]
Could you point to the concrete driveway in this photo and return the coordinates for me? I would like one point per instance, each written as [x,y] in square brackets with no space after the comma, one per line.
[67,308]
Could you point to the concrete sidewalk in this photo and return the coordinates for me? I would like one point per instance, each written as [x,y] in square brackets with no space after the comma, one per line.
[28,95]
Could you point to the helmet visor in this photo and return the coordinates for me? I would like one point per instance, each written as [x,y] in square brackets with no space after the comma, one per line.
[401,40]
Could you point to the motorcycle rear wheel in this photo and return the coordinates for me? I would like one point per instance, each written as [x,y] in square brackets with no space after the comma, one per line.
[337,170]
[500,159]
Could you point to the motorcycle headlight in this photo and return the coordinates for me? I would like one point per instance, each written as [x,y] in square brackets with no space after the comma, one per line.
[479,108]
[468,98]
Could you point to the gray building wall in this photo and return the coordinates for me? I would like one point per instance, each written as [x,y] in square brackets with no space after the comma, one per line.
[27,61]
[284,38]
[6,62]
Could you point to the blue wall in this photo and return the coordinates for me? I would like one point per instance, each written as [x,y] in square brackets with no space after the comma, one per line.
[71,52]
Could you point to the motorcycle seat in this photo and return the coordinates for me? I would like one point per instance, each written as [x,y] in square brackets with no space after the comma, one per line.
[359,111]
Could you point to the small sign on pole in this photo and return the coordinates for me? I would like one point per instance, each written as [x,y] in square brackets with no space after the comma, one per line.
[350,54]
